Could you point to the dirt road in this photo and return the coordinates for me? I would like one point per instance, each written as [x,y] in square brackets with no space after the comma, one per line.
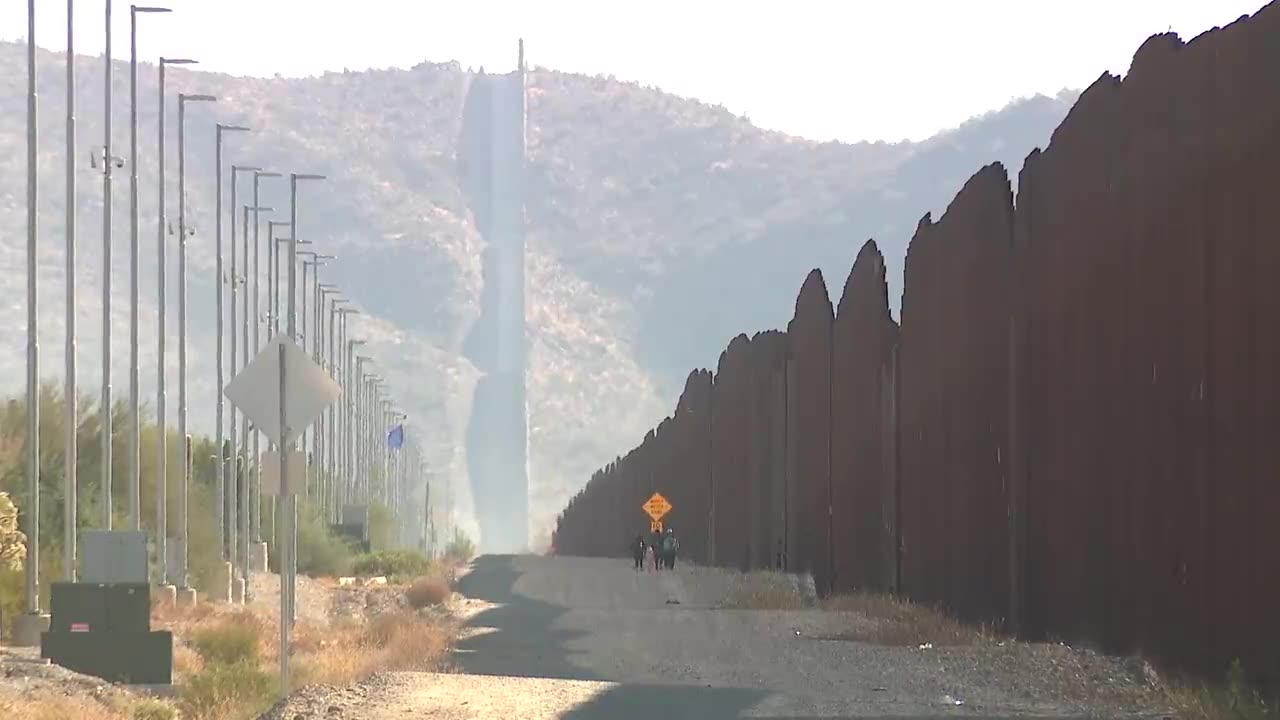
[587,639]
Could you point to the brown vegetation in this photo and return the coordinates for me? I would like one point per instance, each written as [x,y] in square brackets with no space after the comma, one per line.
[764,591]
[428,591]
[903,623]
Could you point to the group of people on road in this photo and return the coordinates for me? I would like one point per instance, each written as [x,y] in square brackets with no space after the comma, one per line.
[657,552]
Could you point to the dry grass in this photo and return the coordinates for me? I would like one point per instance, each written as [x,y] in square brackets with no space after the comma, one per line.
[171,615]
[225,659]
[901,622]
[887,620]
[1232,699]
[351,652]
[49,706]
[53,707]
[764,591]
[186,660]
[405,641]
[428,591]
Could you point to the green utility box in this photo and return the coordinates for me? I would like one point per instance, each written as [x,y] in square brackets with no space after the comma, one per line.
[104,630]
[123,607]
[144,658]
[353,534]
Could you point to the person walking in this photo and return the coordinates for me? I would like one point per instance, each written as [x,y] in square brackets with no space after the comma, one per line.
[670,546]
[638,547]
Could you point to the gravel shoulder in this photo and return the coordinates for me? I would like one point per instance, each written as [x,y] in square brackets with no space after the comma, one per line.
[584,638]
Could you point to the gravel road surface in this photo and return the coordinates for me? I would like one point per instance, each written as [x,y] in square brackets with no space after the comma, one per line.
[588,639]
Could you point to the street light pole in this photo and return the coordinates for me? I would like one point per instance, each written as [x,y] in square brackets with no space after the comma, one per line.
[355,436]
[135,422]
[185,488]
[33,345]
[273,279]
[107,162]
[318,441]
[348,438]
[240,485]
[226,498]
[162,444]
[367,390]
[289,563]
[257,327]
[251,321]
[331,424]
[70,409]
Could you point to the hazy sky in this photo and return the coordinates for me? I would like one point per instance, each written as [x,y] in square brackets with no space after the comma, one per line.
[823,69]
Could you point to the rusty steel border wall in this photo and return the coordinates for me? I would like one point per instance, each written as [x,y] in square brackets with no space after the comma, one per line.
[1071,434]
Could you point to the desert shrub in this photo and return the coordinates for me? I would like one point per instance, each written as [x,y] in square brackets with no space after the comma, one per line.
[150,709]
[764,591]
[898,621]
[406,641]
[221,690]
[390,563]
[320,551]
[227,643]
[427,591]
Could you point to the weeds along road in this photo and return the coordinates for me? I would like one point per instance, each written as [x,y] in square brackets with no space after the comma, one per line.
[589,638]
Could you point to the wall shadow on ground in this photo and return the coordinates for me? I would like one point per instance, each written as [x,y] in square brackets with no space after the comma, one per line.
[526,643]
[670,702]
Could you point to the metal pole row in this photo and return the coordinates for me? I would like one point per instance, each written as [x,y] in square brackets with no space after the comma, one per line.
[349,461]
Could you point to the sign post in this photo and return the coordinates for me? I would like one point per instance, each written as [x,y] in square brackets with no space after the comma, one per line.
[283,391]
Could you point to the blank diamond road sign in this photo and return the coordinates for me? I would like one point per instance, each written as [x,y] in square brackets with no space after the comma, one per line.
[255,391]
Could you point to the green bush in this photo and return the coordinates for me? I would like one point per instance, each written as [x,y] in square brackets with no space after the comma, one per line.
[460,547]
[227,644]
[381,527]
[391,563]
[320,551]
[217,691]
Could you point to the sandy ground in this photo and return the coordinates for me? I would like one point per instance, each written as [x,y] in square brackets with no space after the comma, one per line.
[579,638]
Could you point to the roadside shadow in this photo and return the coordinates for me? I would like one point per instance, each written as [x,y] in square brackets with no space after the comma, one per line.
[669,702]
[519,638]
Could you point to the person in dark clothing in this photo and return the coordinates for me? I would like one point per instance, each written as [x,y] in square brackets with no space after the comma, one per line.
[655,545]
[670,546]
[637,551]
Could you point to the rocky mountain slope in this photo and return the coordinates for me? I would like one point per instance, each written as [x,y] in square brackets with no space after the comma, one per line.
[636,199]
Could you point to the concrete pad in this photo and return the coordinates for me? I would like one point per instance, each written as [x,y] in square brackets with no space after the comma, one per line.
[186,597]
[28,627]
[258,557]
[166,594]
[345,581]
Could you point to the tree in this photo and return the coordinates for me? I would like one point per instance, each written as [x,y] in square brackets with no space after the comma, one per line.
[13,542]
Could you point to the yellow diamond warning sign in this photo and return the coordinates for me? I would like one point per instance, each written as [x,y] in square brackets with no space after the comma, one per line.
[656,506]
